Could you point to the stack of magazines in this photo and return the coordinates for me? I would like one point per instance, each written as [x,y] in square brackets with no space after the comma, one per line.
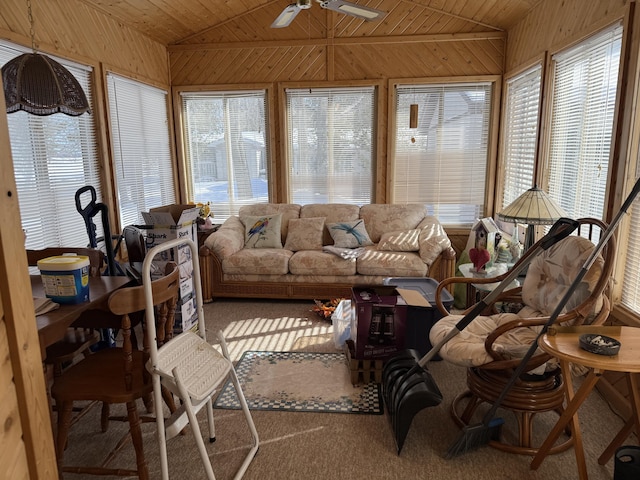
[44,305]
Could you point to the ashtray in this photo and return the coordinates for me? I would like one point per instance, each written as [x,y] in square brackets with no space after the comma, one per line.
[599,344]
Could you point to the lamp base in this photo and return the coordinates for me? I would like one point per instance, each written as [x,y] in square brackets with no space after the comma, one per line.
[530,237]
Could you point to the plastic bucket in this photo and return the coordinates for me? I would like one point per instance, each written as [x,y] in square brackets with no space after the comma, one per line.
[65,278]
[627,463]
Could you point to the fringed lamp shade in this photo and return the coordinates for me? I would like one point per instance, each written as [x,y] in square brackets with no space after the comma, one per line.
[533,207]
[39,85]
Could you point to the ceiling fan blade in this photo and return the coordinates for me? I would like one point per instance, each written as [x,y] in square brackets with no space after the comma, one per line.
[286,17]
[348,8]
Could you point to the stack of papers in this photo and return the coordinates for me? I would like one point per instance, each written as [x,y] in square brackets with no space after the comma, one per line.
[44,305]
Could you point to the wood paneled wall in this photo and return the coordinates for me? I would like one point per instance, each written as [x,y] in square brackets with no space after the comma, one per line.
[26,440]
[552,24]
[71,29]
[411,42]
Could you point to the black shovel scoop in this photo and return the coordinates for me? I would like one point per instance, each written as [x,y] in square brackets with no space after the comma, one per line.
[408,386]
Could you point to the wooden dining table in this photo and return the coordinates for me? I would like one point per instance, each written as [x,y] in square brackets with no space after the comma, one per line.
[52,326]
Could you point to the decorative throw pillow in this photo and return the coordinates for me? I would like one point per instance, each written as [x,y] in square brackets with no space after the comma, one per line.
[262,231]
[349,234]
[405,241]
[304,234]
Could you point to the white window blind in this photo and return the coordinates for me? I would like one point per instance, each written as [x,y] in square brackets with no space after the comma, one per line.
[53,156]
[142,159]
[583,105]
[631,281]
[331,144]
[442,163]
[227,149]
[520,132]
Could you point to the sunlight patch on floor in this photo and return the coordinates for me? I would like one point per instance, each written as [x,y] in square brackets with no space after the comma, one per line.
[271,334]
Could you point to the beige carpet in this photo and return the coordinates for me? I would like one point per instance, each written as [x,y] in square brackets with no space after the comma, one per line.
[336,446]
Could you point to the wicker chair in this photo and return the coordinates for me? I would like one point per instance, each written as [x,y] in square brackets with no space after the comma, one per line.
[493,344]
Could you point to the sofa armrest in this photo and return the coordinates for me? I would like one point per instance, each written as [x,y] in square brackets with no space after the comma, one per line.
[433,240]
[227,240]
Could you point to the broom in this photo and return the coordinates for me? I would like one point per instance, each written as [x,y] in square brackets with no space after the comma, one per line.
[474,436]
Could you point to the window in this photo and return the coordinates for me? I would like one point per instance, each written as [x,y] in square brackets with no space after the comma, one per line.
[53,156]
[331,144]
[226,149]
[520,132]
[585,80]
[142,160]
[443,162]
[631,280]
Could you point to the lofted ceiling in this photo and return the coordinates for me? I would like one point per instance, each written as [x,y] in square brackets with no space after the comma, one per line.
[172,22]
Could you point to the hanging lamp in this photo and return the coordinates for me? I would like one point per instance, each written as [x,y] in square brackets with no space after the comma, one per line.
[39,85]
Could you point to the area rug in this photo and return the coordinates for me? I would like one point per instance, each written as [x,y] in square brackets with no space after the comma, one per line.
[300,382]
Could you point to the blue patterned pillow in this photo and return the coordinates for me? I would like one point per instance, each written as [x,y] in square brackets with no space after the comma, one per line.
[349,234]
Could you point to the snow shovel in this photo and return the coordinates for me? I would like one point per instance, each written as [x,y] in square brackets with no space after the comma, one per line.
[408,387]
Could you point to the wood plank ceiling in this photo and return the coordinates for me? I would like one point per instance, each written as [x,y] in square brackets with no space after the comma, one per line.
[173,22]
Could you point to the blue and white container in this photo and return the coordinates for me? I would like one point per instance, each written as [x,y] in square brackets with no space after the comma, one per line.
[65,278]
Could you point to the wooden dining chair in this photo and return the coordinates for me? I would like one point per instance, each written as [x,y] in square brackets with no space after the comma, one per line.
[116,375]
[77,341]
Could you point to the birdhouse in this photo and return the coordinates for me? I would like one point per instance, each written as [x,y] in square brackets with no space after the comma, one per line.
[487,236]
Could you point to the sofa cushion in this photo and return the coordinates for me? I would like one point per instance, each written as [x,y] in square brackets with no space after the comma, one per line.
[262,231]
[305,234]
[264,261]
[381,218]
[552,272]
[467,348]
[349,234]
[316,262]
[332,212]
[390,264]
[403,241]
[433,239]
[288,211]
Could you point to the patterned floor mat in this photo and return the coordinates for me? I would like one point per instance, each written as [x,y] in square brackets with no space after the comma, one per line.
[300,382]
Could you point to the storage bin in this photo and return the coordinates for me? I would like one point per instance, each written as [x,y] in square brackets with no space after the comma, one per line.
[65,278]
[341,320]
[419,320]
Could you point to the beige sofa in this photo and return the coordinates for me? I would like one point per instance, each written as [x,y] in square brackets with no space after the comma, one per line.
[404,242]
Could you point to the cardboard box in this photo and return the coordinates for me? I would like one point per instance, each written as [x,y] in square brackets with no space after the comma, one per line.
[186,317]
[169,222]
[379,319]
[420,319]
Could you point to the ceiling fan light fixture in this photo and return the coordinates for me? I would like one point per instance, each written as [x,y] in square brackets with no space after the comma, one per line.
[367,13]
[286,17]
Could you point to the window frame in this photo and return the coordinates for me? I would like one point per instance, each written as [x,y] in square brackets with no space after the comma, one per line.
[126,77]
[503,161]
[79,234]
[181,142]
[544,168]
[492,140]
[377,189]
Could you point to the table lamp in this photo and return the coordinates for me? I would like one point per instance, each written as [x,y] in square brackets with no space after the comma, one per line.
[533,207]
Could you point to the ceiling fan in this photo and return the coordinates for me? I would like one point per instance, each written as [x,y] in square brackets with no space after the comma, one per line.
[341,6]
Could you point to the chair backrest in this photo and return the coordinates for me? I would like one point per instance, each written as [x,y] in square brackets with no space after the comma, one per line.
[96,257]
[554,270]
[134,240]
[127,301]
